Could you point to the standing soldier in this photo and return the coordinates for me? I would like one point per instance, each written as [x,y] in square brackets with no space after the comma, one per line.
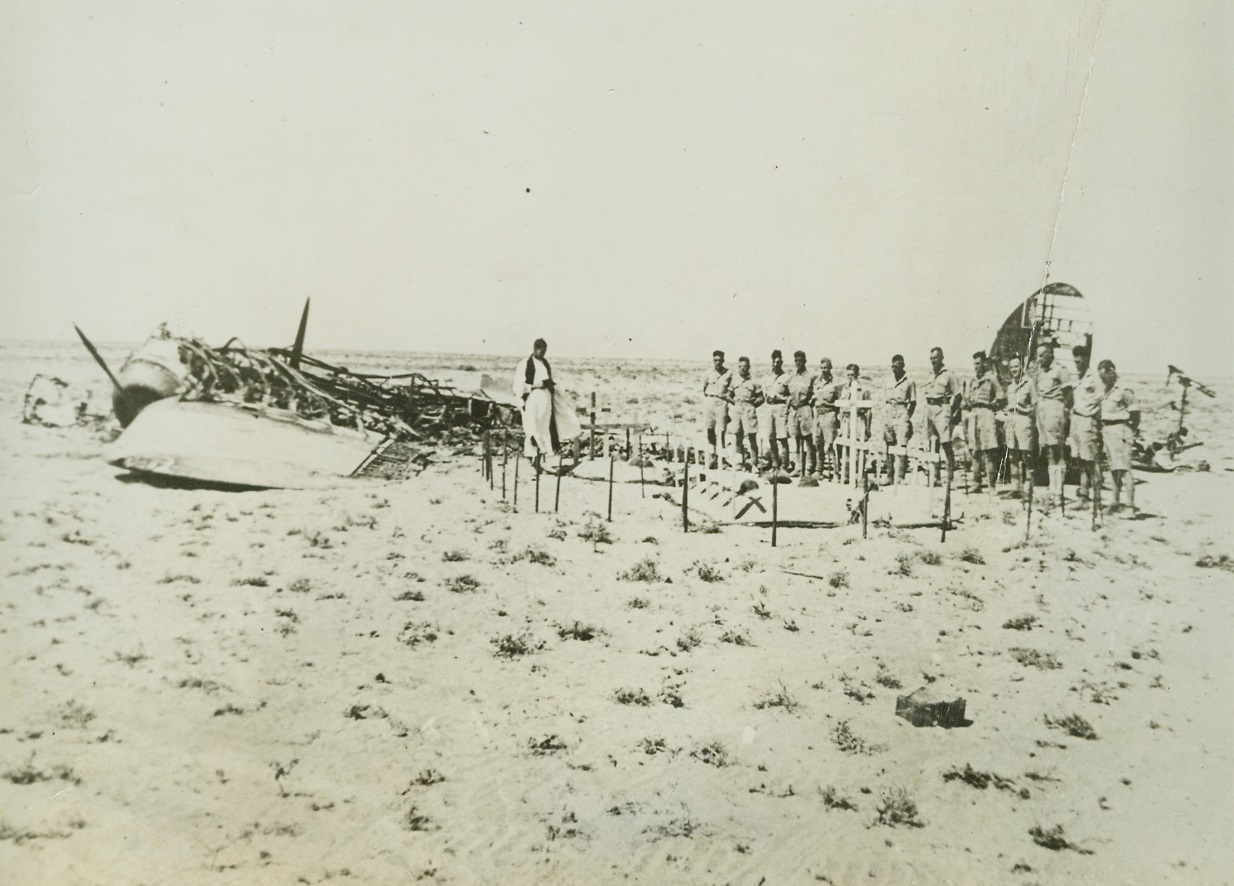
[1085,413]
[983,397]
[746,395]
[1020,427]
[801,415]
[900,400]
[942,396]
[1053,405]
[777,414]
[852,392]
[716,384]
[826,413]
[1120,420]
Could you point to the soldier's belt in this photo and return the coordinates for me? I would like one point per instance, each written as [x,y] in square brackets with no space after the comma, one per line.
[938,401]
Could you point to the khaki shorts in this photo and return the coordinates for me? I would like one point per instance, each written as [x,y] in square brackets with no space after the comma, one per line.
[801,421]
[715,414]
[777,415]
[982,429]
[1020,432]
[1116,440]
[938,423]
[826,426]
[1083,440]
[744,418]
[897,429]
[1051,422]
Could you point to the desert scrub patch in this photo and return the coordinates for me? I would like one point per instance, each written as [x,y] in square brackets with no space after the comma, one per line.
[671,697]
[132,659]
[28,774]
[462,584]
[646,569]
[1220,561]
[558,532]
[1032,658]
[1021,623]
[455,555]
[839,579]
[896,807]
[689,640]
[833,799]
[414,595]
[578,631]
[73,715]
[300,586]
[632,696]
[778,698]
[707,571]
[930,558]
[1074,725]
[415,820]
[713,754]
[638,603]
[1055,838]
[414,633]
[904,564]
[538,556]
[182,577]
[595,530]
[884,677]
[652,746]
[982,780]
[972,555]
[737,638]
[513,646]
[549,744]
[844,739]
[427,778]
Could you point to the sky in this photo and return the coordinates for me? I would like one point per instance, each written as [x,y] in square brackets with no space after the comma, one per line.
[635,179]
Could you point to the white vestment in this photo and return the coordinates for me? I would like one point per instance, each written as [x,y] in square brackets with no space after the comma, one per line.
[544,410]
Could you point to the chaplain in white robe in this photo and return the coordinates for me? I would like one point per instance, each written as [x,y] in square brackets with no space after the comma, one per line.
[548,417]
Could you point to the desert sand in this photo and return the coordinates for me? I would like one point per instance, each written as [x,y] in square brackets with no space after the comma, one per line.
[393,682]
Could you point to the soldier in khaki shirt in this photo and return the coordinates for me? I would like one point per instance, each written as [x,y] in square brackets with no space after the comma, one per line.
[716,384]
[1085,413]
[941,392]
[983,397]
[1120,419]
[1053,406]
[776,411]
[1020,423]
[801,414]
[900,401]
[826,414]
[745,395]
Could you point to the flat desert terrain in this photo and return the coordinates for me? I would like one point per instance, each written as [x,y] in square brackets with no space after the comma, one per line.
[396,682]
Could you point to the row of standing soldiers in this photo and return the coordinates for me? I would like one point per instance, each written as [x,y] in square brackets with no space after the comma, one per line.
[1040,413]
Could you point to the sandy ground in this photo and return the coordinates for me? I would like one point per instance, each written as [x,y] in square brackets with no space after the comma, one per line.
[400,682]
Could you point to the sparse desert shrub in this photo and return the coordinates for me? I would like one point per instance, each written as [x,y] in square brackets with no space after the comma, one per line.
[512,646]
[904,564]
[671,697]
[736,638]
[428,778]
[972,555]
[712,753]
[1032,658]
[982,780]
[884,677]
[595,530]
[1022,623]
[778,699]
[708,571]
[838,579]
[462,584]
[897,808]
[844,739]
[300,586]
[689,640]
[550,744]
[651,746]
[761,610]
[413,596]
[1054,839]
[644,570]
[415,633]
[1221,561]
[638,603]
[1074,725]
[539,556]
[455,555]
[415,820]
[558,532]
[632,696]
[930,558]
[833,800]
[578,631]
